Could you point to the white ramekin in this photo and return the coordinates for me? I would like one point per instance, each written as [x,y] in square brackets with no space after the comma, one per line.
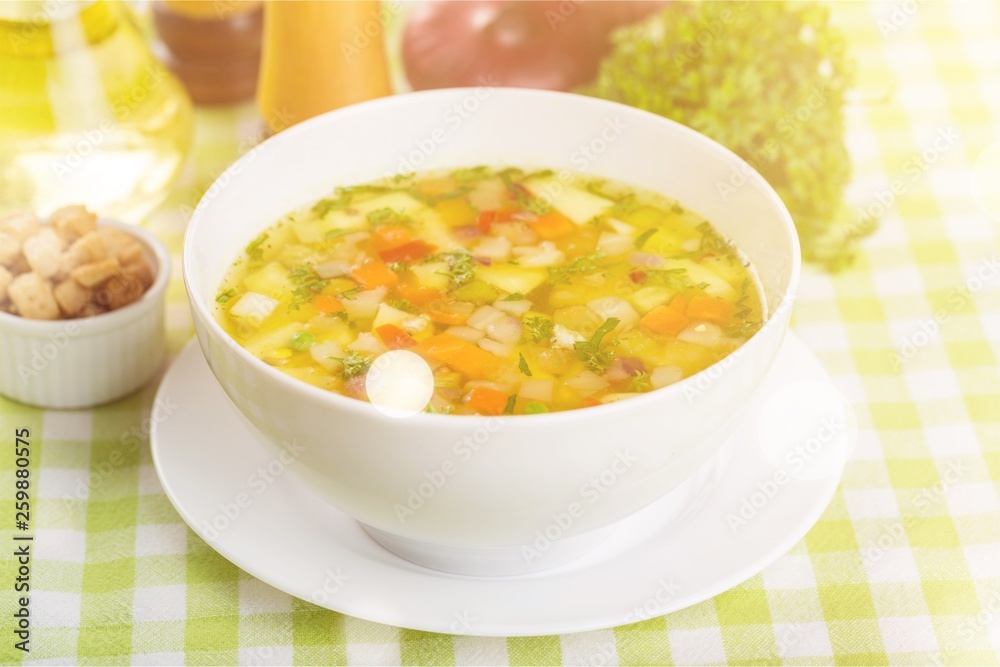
[499,495]
[84,362]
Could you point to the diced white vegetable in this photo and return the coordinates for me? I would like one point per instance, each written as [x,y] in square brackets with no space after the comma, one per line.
[253,308]
[563,337]
[264,343]
[332,269]
[365,304]
[327,354]
[512,278]
[416,325]
[613,306]
[388,315]
[483,317]
[613,398]
[518,308]
[646,299]
[701,333]
[507,330]
[495,347]
[366,342]
[614,244]
[621,227]
[495,247]
[665,375]
[544,254]
[587,383]
[647,259]
[577,204]
[466,333]
[537,389]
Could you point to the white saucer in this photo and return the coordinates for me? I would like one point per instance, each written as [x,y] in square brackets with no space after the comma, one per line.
[675,553]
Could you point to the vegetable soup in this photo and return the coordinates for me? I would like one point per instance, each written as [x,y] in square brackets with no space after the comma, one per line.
[525,292]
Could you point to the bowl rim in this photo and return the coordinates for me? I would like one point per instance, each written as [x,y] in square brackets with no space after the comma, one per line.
[88,326]
[363,408]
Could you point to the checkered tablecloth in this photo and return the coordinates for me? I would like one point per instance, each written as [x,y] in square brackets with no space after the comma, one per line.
[903,568]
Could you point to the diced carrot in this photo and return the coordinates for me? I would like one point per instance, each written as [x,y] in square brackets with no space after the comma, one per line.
[447,311]
[710,309]
[679,304]
[417,294]
[375,274]
[329,304]
[665,320]
[590,401]
[390,236]
[394,337]
[488,401]
[552,225]
[485,221]
[466,358]
[408,252]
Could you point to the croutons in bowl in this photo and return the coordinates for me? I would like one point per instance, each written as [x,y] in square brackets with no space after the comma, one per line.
[81,308]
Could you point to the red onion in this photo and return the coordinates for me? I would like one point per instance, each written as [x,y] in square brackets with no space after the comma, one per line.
[466,232]
[541,44]
[647,259]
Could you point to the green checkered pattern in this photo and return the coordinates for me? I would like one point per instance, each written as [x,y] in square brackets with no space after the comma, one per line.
[903,568]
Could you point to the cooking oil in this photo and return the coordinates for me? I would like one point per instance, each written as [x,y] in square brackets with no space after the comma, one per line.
[87,115]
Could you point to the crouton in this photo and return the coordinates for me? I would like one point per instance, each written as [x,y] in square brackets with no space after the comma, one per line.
[20,225]
[32,297]
[121,245]
[71,297]
[118,291]
[5,279]
[43,252]
[95,273]
[10,249]
[142,271]
[72,222]
[88,248]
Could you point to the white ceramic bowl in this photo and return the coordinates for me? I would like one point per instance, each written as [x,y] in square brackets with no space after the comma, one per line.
[473,494]
[85,362]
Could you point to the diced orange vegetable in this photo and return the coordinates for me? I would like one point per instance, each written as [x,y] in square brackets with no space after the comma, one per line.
[552,225]
[488,401]
[589,402]
[664,320]
[329,304]
[390,236]
[486,219]
[417,294]
[408,252]
[447,311]
[375,274]
[709,309]
[394,337]
[466,358]
[679,304]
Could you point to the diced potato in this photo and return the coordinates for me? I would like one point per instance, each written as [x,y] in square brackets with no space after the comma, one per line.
[661,376]
[701,333]
[253,308]
[716,285]
[433,275]
[512,278]
[646,299]
[268,341]
[386,314]
[615,244]
[575,203]
[518,308]
[613,306]
[328,355]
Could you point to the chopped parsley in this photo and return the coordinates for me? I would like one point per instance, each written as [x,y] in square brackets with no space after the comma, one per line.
[308,284]
[539,328]
[350,294]
[516,296]
[387,216]
[403,304]
[460,267]
[354,365]
[591,353]
[535,408]
[640,382]
[225,296]
[254,250]
[522,364]
[584,264]
[511,400]
[673,279]
[302,341]
[398,267]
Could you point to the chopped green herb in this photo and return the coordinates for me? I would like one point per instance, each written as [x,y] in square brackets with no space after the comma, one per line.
[522,364]
[386,216]
[398,267]
[337,233]
[516,296]
[354,364]
[225,296]
[522,195]
[640,382]
[254,250]
[511,400]
[674,279]
[535,408]
[460,267]
[308,284]
[302,341]
[642,238]
[403,304]
[539,328]
[350,294]
[585,264]
[590,351]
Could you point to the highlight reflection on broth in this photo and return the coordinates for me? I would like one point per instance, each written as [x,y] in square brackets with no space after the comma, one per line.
[525,292]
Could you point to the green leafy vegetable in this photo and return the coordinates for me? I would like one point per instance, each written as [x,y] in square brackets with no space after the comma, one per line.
[640,382]
[254,250]
[592,353]
[225,296]
[460,267]
[539,328]
[386,216]
[350,294]
[511,400]
[403,304]
[302,341]
[704,64]
[308,284]
[354,364]
[585,264]
[522,364]
[516,296]
[535,408]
